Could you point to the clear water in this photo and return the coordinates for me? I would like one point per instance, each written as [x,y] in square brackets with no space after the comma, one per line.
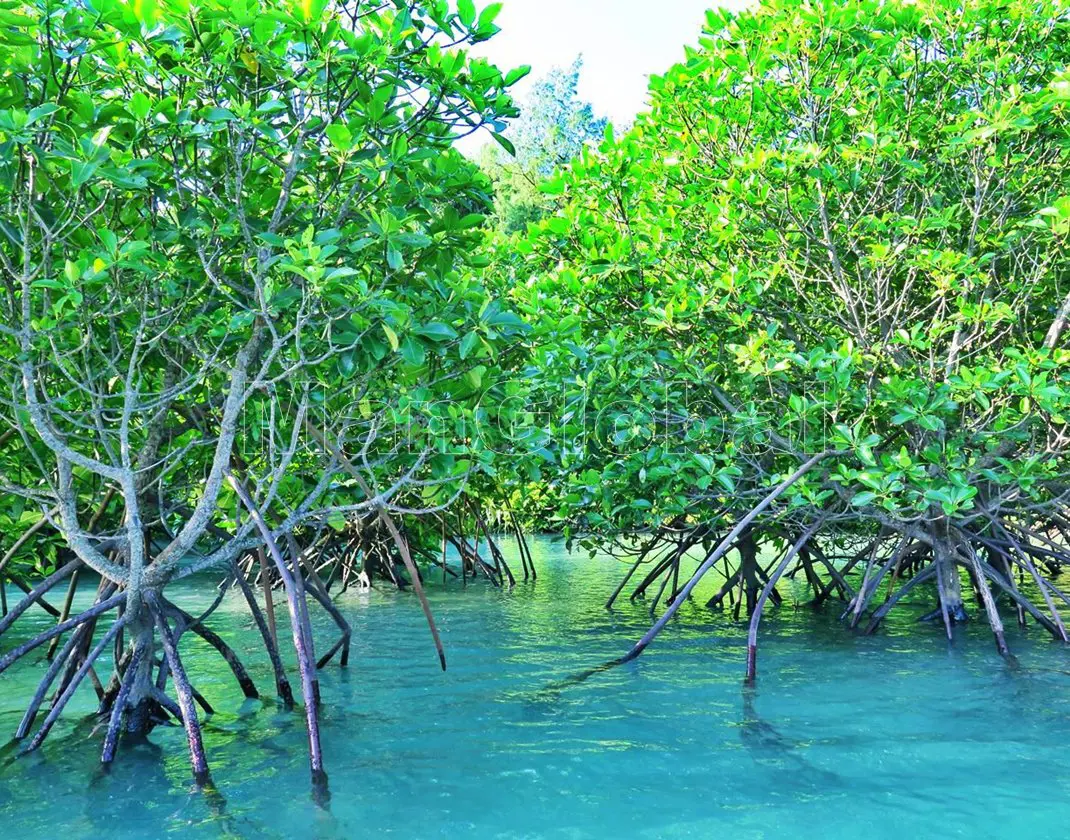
[898,735]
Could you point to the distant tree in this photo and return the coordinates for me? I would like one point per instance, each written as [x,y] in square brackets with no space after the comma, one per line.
[553,128]
[555,124]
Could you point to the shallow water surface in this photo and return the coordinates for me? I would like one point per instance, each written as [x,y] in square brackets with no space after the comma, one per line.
[898,735]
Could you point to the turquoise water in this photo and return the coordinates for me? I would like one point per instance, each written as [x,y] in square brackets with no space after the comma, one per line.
[898,735]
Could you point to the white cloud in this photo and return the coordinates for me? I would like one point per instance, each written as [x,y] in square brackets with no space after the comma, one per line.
[622,42]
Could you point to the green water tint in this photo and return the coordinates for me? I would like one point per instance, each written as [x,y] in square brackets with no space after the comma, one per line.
[897,735]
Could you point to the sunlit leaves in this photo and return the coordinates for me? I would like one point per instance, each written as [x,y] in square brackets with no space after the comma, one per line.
[813,220]
[243,167]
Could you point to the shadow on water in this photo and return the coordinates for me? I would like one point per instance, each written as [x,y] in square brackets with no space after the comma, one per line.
[766,745]
[548,698]
[150,785]
[9,753]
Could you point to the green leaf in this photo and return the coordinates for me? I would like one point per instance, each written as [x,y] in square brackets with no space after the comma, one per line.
[468,344]
[516,74]
[864,498]
[312,10]
[553,186]
[504,143]
[725,480]
[488,16]
[82,171]
[413,240]
[140,105]
[471,220]
[340,136]
[347,364]
[474,377]
[412,351]
[466,10]
[507,320]
[340,272]
[391,336]
[49,283]
[219,115]
[436,331]
[40,112]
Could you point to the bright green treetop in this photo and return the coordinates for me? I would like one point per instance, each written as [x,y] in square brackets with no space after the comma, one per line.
[842,226]
[223,221]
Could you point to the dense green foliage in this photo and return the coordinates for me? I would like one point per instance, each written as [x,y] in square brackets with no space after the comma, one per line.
[221,202]
[841,226]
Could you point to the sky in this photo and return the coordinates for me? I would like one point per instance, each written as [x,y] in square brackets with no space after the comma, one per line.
[622,43]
